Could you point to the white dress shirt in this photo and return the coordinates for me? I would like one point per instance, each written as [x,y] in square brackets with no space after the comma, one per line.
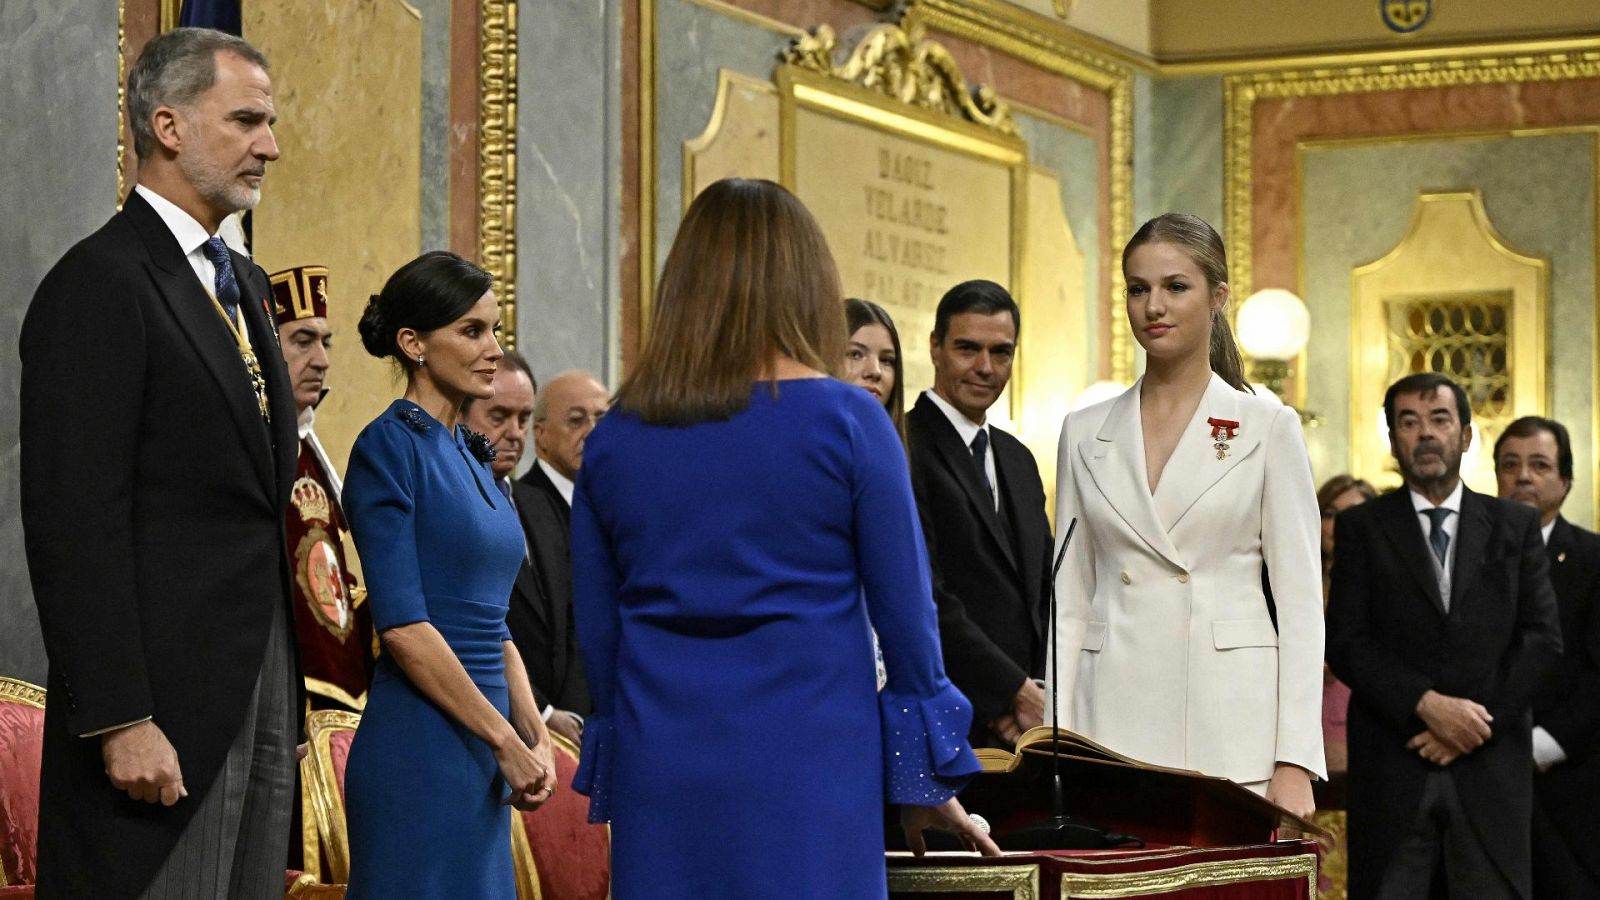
[968,430]
[562,482]
[1451,525]
[191,237]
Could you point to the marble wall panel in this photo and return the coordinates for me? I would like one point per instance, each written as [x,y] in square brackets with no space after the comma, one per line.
[566,172]
[1357,201]
[1179,131]
[58,136]
[347,190]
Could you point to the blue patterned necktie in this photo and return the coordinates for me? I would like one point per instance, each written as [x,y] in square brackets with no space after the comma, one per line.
[1438,538]
[227,287]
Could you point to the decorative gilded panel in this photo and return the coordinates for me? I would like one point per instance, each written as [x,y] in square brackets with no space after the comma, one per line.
[1451,297]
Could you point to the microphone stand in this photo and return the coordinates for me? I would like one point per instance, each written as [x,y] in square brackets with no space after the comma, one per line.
[1060,831]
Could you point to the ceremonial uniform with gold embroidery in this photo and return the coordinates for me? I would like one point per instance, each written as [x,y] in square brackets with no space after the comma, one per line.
[333,626]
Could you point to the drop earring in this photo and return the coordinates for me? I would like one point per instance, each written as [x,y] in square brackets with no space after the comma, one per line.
[419,360]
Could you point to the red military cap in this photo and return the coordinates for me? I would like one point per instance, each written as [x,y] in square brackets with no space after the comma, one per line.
[300,293]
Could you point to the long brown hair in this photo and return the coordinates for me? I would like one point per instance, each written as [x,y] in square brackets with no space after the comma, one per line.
[1205,247]
[750,275]
[858,314]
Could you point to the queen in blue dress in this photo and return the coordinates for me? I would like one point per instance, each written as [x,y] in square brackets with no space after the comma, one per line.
[451,733]
[740,523]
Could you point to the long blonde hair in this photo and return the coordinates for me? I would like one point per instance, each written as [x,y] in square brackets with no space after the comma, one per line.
[1205,247]
[750,275]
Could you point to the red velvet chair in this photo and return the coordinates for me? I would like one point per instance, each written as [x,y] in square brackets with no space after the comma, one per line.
[21,743]
[558,854]
[330,732]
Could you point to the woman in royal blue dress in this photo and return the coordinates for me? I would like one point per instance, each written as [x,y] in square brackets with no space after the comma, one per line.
[732,512]
[451,733]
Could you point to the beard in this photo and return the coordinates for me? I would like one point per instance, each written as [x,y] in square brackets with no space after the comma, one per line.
[1446,470]
[216,183]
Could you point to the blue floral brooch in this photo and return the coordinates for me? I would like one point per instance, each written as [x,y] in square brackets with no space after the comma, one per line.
[478,445]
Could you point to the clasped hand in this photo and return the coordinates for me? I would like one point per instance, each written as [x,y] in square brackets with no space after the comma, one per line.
[1456,726]
[528,768]
[142,762]
[1027,711]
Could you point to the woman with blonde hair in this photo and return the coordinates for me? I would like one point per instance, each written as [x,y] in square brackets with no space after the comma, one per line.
[733,510]
[1184,487]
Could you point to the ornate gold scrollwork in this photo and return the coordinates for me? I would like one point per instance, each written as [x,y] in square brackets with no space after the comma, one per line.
[902,64]
[497,157]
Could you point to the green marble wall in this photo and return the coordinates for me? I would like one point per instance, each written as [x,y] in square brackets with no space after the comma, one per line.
[1539,192]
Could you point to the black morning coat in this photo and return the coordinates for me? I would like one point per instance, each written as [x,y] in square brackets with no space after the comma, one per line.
[991,572]
[1391,640]
[540,614]
[153,500]
[1569,709]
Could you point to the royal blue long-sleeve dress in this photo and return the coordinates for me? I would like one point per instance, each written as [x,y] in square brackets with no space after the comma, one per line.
[439,544]
[723,578]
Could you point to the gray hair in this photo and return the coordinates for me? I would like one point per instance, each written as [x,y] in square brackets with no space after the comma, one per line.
[175,68]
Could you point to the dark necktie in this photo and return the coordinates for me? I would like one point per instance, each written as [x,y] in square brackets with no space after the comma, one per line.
[980,450]
[504,485]
[1438,539]
[227,287]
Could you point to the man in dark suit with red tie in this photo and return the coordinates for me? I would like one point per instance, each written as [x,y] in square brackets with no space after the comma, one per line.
[1442,621]
[1533,463]
[158,449]
[982,506]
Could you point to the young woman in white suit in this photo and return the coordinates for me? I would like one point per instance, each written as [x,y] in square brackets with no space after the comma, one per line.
[1186,488]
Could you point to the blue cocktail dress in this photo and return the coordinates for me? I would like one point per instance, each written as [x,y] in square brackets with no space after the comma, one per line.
[438,544]
[723,577]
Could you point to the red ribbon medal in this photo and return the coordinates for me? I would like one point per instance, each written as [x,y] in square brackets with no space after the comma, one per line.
[1222,431]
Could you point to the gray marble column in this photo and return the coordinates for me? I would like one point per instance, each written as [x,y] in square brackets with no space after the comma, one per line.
[568,185]
[58,137]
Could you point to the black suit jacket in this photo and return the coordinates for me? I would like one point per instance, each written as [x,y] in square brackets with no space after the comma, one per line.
[153,499]
[540,617]
[991,572]
[1569,705]
[1390,640]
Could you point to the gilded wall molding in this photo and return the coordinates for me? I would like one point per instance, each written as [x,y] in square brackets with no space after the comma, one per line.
[497,155]
[901,64]
[1241,93]
[996,24]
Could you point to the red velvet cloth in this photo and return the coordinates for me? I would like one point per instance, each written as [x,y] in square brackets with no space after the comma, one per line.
[573,857]
[1262,872]
[339,753]
[335,635]
[21,743]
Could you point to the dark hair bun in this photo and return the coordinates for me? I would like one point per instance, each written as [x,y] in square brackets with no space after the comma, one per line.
[429,292]
[378,339]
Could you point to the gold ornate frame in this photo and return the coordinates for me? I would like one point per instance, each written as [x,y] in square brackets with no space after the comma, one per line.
[1371,72]
[926,101]
[1036,41]
[1051,47]
[327,802]
[15,690]
[1022,881]
[497,141]
[1216,873]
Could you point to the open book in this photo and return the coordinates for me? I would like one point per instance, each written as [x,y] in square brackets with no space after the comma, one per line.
[1175,806]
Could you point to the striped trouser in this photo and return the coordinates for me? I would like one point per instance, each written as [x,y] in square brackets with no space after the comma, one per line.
[237,842]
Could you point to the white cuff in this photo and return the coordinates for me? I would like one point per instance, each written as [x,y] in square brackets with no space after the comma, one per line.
[548,712]
[108,730]
[1546,752]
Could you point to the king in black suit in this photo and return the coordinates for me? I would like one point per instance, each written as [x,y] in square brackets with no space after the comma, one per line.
[1444,633]
[1533,462]
[156,469]
[982,505]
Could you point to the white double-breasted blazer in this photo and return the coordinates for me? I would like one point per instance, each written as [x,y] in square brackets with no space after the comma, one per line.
[1168,651]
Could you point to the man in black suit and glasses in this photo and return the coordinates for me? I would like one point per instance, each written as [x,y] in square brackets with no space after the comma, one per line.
[1442,622]
[982,506]
[1533,463]
[158,450]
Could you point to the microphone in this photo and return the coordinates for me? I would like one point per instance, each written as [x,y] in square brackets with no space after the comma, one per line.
[1060,831]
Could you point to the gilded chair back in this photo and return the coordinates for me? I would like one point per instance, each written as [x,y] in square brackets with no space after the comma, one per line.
[21,746]
[557,853]
[330,732]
